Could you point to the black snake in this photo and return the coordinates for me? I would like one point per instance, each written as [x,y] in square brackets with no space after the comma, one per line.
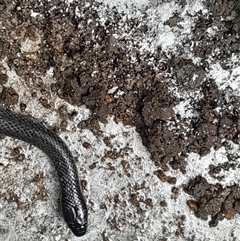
[27,129]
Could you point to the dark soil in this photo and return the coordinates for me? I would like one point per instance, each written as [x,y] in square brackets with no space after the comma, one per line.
[213,200]
[88,62]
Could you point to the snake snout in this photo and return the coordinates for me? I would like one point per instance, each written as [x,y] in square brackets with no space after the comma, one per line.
[79,231]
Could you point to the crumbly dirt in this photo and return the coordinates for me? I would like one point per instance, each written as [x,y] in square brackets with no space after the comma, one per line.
[213,200]
[91,67]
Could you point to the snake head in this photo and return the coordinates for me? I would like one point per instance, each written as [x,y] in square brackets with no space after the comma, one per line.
[76,219]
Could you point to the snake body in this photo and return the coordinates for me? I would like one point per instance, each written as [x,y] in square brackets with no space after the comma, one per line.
[31,131]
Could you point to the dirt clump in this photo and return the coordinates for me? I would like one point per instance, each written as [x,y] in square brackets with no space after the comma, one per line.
[213,200]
